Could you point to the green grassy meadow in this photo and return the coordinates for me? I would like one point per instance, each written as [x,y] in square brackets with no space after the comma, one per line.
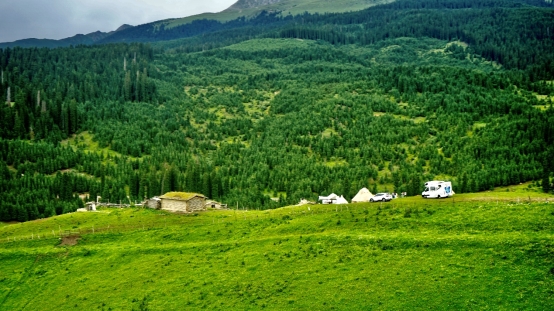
[472,252]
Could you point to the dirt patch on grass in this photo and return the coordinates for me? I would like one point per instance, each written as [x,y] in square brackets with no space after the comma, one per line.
[70,240]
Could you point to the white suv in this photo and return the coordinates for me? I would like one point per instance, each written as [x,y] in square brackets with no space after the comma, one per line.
[381,197]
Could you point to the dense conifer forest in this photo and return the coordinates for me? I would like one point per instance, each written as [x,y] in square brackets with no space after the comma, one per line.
[284,107]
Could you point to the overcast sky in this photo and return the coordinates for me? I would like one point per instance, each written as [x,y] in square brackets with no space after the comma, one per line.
[58,19]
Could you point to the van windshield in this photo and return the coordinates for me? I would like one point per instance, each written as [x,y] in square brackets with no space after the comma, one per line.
[426,189]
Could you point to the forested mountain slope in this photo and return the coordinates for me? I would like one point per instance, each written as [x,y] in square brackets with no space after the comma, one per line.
[287,107]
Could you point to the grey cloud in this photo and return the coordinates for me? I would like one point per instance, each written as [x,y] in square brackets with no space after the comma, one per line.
[57,19]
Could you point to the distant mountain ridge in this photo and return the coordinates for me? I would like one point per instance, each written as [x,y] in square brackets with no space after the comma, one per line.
[201,23]
[78,39]
[243,13]
[247,4]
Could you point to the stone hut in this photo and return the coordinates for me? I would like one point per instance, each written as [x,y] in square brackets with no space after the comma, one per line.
[183,202]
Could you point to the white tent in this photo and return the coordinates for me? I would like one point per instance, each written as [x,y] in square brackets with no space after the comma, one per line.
[330,199]
[363,196]
[341,200]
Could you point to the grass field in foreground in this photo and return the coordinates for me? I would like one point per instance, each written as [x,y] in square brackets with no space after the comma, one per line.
[408,254]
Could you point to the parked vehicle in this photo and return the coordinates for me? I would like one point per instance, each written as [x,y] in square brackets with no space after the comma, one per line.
[437,189]
[381,197]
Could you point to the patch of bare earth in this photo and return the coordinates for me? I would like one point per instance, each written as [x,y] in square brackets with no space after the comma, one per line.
[70,240]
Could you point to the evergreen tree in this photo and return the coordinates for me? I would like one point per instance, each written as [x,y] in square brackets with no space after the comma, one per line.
[546,188]
[22,215]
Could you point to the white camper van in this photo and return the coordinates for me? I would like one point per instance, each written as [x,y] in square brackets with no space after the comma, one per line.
[437,189]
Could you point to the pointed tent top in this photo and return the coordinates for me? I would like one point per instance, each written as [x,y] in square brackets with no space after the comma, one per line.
[363,196]
[341,200]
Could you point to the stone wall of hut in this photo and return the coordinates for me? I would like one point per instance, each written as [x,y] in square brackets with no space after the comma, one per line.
[192,205]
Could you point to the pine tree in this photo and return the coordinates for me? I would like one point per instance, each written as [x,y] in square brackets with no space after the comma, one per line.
[546,182]
[463,184]
[143,86]
[50,210]
[21,213]
[374,188]
[134,184]
[207,185]
[137,88]
[215,187]
[73,117]
[166,183]
[33,212]
[127,86]
[173,179]
[4,212]
[19,128]
[65,120]
[143,186]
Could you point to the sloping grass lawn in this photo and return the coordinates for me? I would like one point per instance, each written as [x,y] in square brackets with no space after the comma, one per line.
[408,254]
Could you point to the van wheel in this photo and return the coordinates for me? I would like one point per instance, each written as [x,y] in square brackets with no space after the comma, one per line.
[438,196]
[370,200]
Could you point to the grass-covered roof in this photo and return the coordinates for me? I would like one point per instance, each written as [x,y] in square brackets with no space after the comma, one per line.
[182,196]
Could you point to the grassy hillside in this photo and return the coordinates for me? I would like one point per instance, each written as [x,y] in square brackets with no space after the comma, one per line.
[408,254]
[286,7]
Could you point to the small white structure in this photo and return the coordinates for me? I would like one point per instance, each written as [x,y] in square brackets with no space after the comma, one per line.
[330,199]
[363,196]
[304,202]
[89,207]
[437,189]
[215,205]
[154,203]
[341,200]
